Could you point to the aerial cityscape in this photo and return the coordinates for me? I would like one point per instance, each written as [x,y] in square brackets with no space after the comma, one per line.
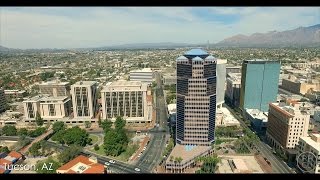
[160,90]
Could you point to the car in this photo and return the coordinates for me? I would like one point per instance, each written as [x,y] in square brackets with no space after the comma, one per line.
[112,161]
[137,169]
[144,148]
[107,164]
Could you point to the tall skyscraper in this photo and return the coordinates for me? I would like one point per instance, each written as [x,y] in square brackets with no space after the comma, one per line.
[196,98]
[196,109]
[259,84]
[84,99]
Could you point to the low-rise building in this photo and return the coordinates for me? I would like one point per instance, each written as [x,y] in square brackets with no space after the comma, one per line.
[257,118]
[55,88]
[169,79]
[310,144]
[14,94]
[225,118]
[300,86]
[82,165]
[144,75]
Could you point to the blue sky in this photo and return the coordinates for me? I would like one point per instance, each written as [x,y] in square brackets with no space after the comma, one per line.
[75,27]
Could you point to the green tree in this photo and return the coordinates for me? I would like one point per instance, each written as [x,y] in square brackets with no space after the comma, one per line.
[9,130]
[48,166]
[58,126]
[37,132]
[106,125]
[22,132]
[58,136]
[39,120]
[76,135]
[209,164]
[4,149]
[96,147]
[119,123]
[69,154]
[110,143]
[34,149]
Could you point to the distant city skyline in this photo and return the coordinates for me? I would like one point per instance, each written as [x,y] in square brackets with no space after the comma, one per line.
[84,27]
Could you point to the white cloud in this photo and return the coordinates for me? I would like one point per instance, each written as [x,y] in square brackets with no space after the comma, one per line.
[106,26]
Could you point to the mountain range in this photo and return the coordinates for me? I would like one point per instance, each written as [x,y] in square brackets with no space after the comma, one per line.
[299,37]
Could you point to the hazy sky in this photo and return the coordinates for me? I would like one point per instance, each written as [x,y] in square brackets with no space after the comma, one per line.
[75,27]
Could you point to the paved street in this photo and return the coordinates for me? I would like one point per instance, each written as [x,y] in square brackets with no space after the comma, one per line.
[278,166]
[159,135]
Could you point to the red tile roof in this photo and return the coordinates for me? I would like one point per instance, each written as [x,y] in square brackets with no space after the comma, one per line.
[4,161]
[15,154]
[94,167]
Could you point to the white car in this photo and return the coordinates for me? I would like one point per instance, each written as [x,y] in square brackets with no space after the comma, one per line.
[107,164]
[112,161]
[137,169]
[144,148]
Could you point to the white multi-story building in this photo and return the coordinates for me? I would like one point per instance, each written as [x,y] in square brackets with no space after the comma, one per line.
[221,81]
[310,144]
[55,88]
[233,88]
[286,124]
[144,75]
[127,99]
[84,99]
[50,108]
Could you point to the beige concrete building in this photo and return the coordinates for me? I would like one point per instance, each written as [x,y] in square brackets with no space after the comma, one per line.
[55,88]
[54,108]
[300,86]
[84,99]
[14,94]
[2,100]
[50,108]
[286,124]
[310,144]
[127,99]
[169,79]
[144,75]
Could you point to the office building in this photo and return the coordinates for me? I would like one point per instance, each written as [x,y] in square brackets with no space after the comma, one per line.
[84,99]
[144,75]
[257,118]
[233,88]
[50,108]
[286,124]
[221,81]
[196,108]
[259,84]
[127,99]
[2,101]
[14,94]
[55,88]
[310,144]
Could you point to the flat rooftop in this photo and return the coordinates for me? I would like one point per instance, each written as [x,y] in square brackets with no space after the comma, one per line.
[51,98]
[187,152]
[257,114]
[142,70]
[260,61]
[54,83]
[79,83]
[311,142]
[123,85]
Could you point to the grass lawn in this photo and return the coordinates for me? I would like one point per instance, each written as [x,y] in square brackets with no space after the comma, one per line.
[94,138]
[123,156]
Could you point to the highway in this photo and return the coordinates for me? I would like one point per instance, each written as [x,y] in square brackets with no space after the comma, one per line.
[159,135]
[278,166]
